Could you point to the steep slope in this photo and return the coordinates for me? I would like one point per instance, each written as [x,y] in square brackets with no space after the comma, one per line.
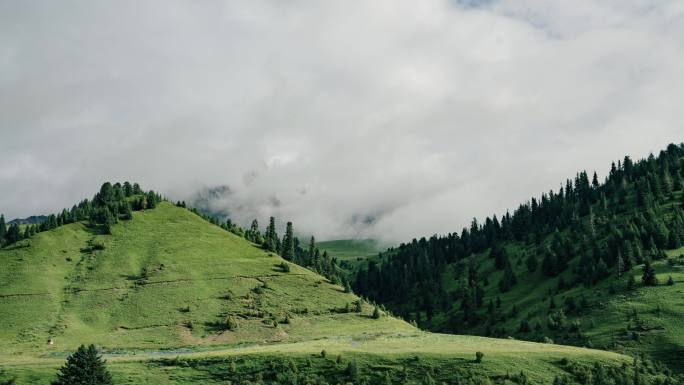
[558,268]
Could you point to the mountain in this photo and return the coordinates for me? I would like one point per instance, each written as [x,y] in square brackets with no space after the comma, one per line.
[171,298]
[593,264]
[32,220]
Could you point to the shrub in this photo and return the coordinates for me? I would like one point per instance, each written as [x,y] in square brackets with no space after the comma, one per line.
[376,313]
[479,356]
[231,323]
[670,281]
[323,353]
[284,267]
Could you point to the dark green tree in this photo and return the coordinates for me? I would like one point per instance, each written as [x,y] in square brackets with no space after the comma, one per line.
[649,277]
[287,248]
[508,280]
[3,229]
[13,234]
[271,237]
[84,367]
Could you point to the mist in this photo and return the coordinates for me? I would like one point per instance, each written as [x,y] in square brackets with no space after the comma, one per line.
[353,119]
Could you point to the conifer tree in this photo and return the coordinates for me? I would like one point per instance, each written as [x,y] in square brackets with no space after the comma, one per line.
[288,250]
[508,279]
[13,234]
[271,237]
[84,367]
[253,233]
[649,276]
[312,251]
[3,230]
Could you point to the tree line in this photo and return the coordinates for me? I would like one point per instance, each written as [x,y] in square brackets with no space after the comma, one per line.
[112,203]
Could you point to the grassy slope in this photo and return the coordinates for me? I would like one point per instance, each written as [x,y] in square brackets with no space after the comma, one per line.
[53,289]
[168,269]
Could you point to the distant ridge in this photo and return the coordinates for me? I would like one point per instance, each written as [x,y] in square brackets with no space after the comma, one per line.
[32,220]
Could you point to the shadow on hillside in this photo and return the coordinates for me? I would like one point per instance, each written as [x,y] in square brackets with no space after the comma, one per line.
[24,243]
[131,277]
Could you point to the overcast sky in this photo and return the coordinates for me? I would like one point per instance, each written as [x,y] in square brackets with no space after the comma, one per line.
[353,118]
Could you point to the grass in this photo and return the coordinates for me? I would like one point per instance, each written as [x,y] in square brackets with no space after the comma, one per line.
[443,355]
[163,286]
[352,249]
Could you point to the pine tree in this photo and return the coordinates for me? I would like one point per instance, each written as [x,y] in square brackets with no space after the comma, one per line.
[287,249]
[84,367]
[3,230]
[312,251]
[271,237]
[508,279]
[13,234]
[253,233]
[108,221]
[649,277]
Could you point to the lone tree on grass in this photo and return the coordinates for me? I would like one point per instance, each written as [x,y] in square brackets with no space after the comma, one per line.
[479,356]
[84,367]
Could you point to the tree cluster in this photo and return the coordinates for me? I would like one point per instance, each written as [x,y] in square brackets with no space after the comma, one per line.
[112,203]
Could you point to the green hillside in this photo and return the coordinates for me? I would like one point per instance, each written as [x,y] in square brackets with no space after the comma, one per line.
[173,299]
[566,267]
[165,279]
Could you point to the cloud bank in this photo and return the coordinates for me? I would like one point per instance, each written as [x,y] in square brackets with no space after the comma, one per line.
[352,118]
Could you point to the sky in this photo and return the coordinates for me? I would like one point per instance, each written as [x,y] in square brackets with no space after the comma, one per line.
[352,118]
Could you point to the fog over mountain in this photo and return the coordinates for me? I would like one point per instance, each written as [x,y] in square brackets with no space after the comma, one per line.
[387,119]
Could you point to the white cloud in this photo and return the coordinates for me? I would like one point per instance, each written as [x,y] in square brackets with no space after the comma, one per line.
[352,118]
